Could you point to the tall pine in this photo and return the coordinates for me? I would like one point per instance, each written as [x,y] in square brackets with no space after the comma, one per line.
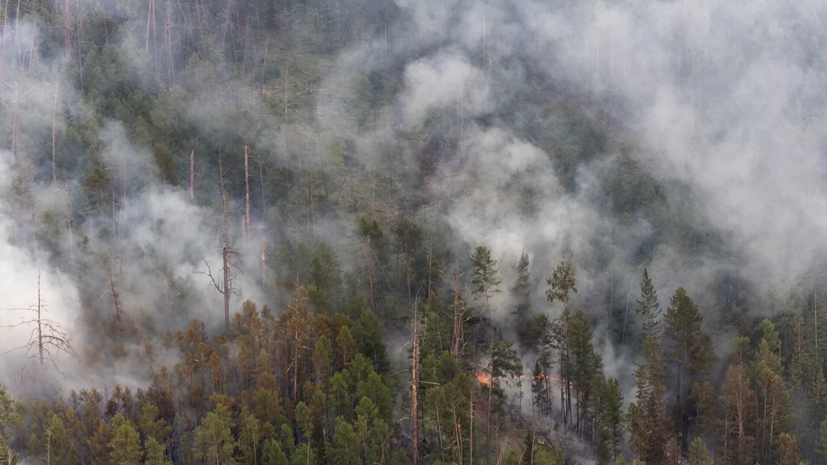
[648,308]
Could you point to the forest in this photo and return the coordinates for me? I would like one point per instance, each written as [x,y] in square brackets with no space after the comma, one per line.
[271,232]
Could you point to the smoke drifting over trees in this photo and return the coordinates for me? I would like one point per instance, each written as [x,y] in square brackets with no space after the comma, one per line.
[233,207]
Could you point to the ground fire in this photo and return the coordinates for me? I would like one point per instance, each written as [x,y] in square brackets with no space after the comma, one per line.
[484,379]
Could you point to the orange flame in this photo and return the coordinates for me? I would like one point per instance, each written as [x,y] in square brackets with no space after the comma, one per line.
[484,379]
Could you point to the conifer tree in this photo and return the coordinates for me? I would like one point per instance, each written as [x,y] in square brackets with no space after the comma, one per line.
[648,308]
[271,453]
[698,453]
[647,424]
[522,293]
[214,437]
[561,284]
[690,349]
[155,453]
[739,405]
[126,444]
[821,449]
[562,281]
[484,279]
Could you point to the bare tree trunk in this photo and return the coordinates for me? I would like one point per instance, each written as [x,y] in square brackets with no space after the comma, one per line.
[124,184]
[67,28]
[54,130]
[457,432]
[286,71]
[815,312]
[170,65]
[146,37]
[247,194]
[490,397]
[263,262]
[263,202]
[459,320]
[40,347]
[3,47]
[430,263]
[192,175]
[116,297]
[414,387]
[471,430]
[80,36]
[370,277]
[105,24]
[225,255]
[69,223]
[154,39]
[15,130]
[312,219]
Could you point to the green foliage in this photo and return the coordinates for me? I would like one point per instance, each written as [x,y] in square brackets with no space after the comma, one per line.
[167,166]
[522,293]
[648,308]
[367,331]
[699,454]
[214,437]
[484,280]
[271,453]
[646,417]
[155,454]
[345,444]
[126,443]
[562,283]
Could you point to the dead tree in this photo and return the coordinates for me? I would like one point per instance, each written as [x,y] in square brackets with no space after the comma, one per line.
[263,201]
[54,130]
[263,261]
[247,195]
[192,175]
[116,297]
[67,29]
[414,387]
[47,340]
[226,288]
[69,223]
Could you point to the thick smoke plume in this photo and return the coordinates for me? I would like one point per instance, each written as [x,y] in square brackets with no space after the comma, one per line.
[719,103]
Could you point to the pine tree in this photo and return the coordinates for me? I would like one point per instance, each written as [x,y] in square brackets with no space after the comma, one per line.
[698,453]
[126,443]
[648,308]
[484,280]
[821,449]
[585,364]
[214,437]
[647,424]
[788,450]
[690,349]
[774,406]
[611,416]
[155,453]
[522,293]
[541,381]
[345,444]
[562,282]
[739,405]
[10,417]
[249,437]
[271,453]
